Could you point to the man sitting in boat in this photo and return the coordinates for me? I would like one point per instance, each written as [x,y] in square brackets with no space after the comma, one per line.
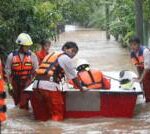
[91,78]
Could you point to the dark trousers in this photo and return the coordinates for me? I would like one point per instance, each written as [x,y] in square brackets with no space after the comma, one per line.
[19,95]
[146,86]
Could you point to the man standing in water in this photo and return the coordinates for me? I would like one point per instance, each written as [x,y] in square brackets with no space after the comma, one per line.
[2,96]
[48,102]
[141,59]
[90,78]
[45,46]
[20,68]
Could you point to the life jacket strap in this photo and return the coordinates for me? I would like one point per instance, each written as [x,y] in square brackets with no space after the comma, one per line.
[3,108]
[3,95]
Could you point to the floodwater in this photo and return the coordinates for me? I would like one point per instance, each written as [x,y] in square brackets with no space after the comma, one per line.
[102,54]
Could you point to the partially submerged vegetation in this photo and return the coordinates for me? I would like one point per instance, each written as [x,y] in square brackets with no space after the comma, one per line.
[40,18]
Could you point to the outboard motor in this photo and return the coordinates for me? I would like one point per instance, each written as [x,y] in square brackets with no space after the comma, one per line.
[125,78]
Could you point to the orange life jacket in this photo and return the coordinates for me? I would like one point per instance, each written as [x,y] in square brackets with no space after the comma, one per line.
[137,58]
[41,54]
[2,96]
[92,79]
[24,68]
[50,68]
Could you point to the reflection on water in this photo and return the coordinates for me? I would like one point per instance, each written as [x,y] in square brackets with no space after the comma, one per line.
[102,54]
[69,28]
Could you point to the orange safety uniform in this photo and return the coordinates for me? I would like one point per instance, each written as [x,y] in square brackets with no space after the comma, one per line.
[93,79]
[2,96]
[47,103]
[41,54]
[138,59]
[21,75]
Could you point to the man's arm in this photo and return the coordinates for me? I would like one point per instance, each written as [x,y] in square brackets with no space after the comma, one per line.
[143,74]
[77,84]
[8,73]
[66,64]
[8,67]
[146,56]
[35,63]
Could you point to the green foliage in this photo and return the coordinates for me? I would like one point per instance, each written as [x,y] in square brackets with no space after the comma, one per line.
[14,19]
[39,18]
[36,17]
[79,11]
[125,39]
[122,20]
[97,19]
[44,21]
[147,10]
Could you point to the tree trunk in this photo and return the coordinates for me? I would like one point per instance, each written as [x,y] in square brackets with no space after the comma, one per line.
[107,21]
[146,32]
[139,19]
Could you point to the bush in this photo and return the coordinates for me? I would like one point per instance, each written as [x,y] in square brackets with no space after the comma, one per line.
[38,19]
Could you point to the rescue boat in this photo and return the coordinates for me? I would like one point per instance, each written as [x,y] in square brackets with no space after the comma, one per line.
[118,101]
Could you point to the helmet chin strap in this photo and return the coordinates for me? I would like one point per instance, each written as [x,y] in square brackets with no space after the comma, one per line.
[21,50]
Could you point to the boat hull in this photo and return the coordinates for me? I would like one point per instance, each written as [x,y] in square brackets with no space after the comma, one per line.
[106,104]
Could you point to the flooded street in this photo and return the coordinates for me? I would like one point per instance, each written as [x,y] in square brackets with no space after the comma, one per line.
[102,54]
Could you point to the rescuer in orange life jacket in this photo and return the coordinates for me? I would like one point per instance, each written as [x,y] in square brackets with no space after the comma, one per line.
[47,100]
[2,96]
[141,59]
[91,78]
[20,69]
[45,46]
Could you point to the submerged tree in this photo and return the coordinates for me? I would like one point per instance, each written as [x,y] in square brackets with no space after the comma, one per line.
[40,18]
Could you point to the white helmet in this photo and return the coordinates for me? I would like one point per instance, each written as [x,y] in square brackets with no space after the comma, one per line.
[125,74]
[24,39]
[82,64]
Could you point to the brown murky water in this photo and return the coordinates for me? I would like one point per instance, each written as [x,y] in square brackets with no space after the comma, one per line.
[102,54]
